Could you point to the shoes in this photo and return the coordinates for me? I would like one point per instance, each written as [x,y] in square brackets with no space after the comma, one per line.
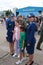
[23,59]
[18,56]
[15,55]
[18,62]
[39,48]
[11,54]
[30,64]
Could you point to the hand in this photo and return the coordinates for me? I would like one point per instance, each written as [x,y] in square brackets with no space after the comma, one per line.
[12,31]
[28,44]
[22,48]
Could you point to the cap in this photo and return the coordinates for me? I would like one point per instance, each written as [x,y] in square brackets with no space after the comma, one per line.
[12,15]
[31,15]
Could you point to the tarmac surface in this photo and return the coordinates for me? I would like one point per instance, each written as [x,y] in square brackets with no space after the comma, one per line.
[6,59]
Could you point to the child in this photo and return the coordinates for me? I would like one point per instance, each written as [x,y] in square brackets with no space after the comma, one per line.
[21,45]
[16,37]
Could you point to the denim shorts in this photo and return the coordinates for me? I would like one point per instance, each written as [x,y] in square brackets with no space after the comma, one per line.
[21,50]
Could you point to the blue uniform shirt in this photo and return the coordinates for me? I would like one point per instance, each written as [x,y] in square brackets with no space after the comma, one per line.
[10,25]
[30,31]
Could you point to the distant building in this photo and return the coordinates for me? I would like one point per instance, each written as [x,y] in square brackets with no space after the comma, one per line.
[2,13]
[25,11]
[14,10]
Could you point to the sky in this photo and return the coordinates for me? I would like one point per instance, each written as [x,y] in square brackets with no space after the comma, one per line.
[10,4]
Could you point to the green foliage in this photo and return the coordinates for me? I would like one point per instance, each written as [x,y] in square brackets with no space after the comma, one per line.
[8,12]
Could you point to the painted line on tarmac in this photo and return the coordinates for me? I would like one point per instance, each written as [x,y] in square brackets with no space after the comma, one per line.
[4,55]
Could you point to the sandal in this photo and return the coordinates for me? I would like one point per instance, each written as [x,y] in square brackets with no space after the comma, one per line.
[30,63]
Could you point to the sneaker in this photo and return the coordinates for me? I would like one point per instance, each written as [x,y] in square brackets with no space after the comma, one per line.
[18,62]
[14,55]
[11,54]
[23,59]
[18,56]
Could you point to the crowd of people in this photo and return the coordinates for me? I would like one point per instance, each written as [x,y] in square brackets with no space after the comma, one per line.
[20,35]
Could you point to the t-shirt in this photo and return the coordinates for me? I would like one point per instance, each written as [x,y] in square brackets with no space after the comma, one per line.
[16,35]
[22,38]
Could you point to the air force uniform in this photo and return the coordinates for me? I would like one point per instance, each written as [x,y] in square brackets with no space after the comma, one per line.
[10,27]
[30,39]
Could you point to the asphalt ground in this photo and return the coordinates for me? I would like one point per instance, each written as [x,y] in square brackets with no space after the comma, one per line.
[6,59]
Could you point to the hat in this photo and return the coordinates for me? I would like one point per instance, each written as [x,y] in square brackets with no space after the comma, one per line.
[12,15]
[31,15]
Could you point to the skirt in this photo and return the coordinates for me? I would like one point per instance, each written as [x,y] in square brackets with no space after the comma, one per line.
[30,49]
[10,37]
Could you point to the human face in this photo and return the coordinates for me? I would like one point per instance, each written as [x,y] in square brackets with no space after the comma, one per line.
[31,19]
[20,18]
[17,24]
[12,18]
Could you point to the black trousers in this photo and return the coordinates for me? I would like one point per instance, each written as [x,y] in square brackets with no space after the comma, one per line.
[40,41]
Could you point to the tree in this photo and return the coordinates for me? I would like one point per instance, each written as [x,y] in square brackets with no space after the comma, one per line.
[8,12]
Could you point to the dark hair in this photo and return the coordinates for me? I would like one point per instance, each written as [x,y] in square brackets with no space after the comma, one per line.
[37,19]
[4,18]
[17,21]
[22,28]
